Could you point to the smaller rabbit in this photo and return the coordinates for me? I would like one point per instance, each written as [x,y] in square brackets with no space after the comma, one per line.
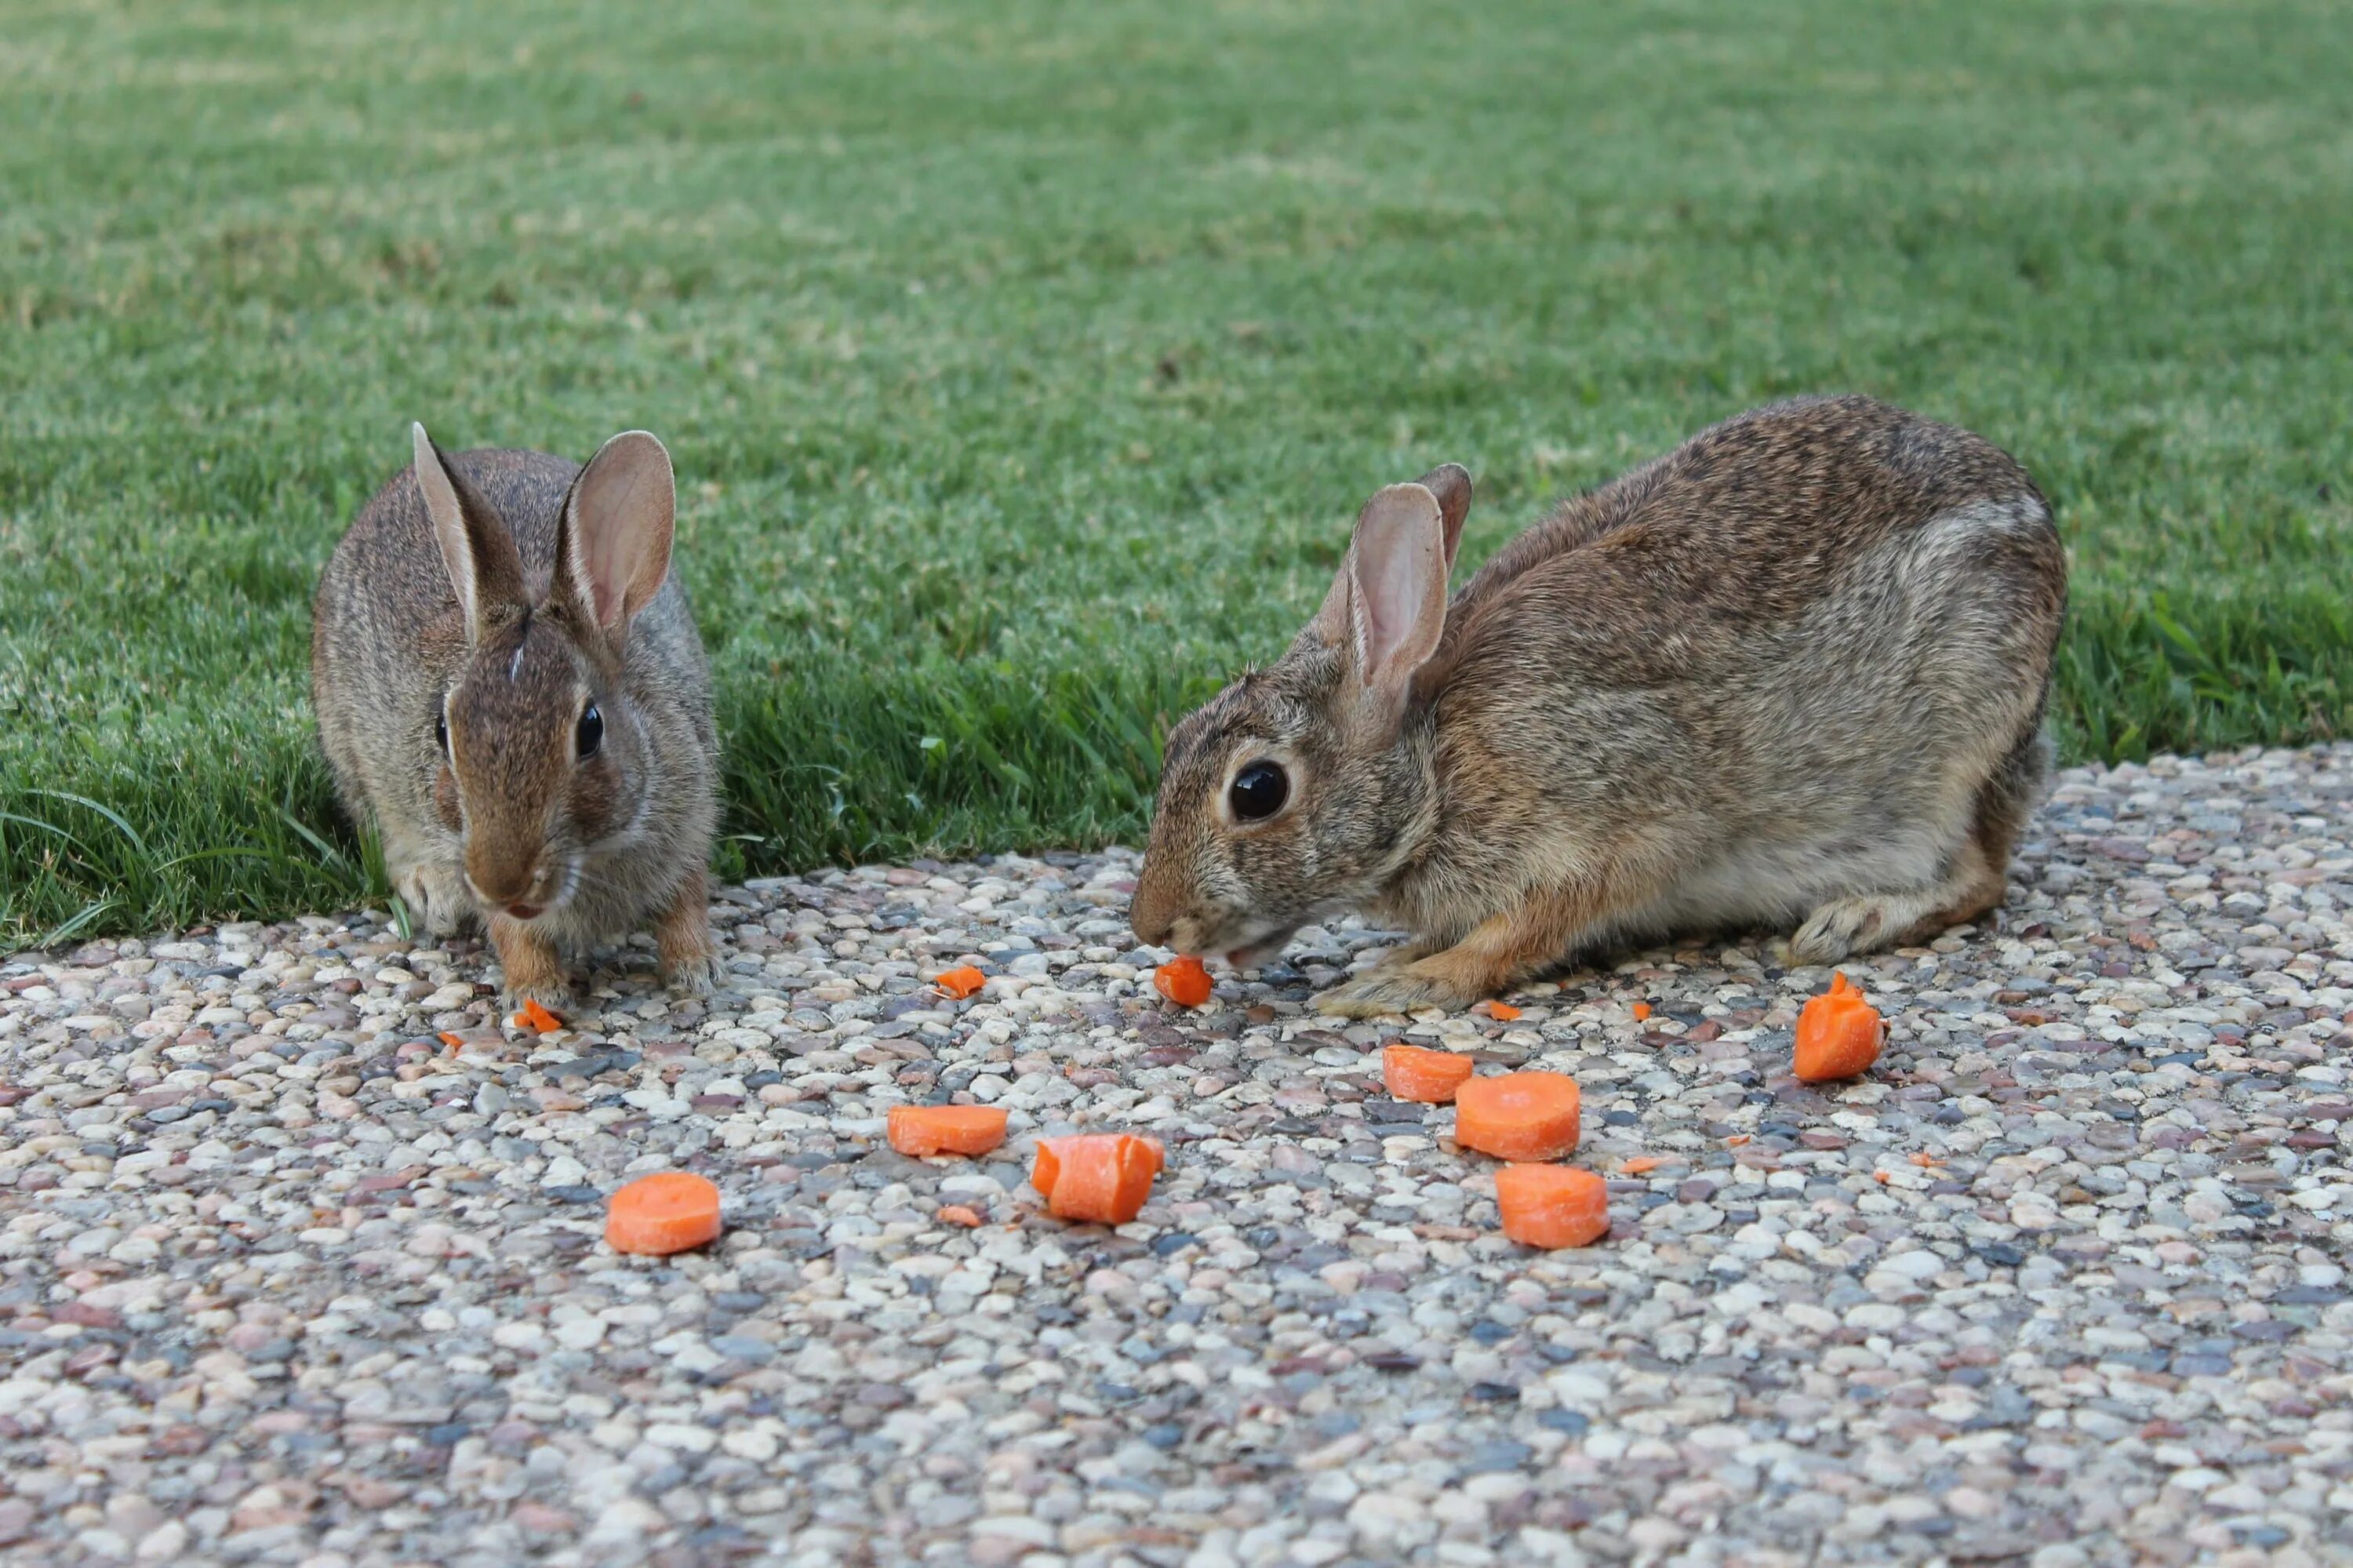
[1790,674]
[508,682]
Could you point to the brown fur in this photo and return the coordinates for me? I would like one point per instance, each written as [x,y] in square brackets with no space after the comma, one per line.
[512,818]
[1791,673]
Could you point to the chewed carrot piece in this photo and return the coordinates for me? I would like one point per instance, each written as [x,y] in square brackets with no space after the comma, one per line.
[1519,1115]
[1838,1033]
[1501,1011]
[663,1213]
[536,1019]
[452,1040]
[923,1130]
[1552,1206]
[958,1214]
[1183,981]
[1410,1072]
[1642,1012]
[1101,1177]
[960,982]
[1641,1164]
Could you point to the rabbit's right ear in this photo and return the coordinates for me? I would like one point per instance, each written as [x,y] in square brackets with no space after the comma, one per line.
[1387,608]
[485,568]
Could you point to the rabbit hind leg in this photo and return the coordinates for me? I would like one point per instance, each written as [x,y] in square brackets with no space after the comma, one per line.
[1973,884]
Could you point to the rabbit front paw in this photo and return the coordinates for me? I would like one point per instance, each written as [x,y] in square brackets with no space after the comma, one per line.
[695,974]
[437,897]
[1406,989]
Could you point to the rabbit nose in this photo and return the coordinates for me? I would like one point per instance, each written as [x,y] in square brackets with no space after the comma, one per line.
[1151,914]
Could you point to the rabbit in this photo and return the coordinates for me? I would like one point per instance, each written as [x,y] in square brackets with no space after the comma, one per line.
[1790,676]
[509,683]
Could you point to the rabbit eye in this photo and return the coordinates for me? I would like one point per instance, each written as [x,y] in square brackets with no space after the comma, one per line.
[590,734]
[442,732]
[1258,790]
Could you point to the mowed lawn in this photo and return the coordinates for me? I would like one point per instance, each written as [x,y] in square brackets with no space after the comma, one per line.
[1025,364]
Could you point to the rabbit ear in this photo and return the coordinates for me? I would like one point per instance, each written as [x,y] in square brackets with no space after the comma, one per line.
[613,542]
[1450,484]
[485,568]
[1388,607]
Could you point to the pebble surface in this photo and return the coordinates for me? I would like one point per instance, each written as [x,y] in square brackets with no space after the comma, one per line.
[285,1280]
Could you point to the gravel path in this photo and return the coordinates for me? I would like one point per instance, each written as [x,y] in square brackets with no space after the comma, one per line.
[285,1281]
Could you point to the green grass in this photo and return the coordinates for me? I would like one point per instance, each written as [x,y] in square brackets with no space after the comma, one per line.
[1024,362]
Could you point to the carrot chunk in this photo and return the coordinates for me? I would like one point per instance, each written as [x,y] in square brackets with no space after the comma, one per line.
[1520,1116]
[1183,981]
[922,1130]
[1641,1013]
[1640,1165]
[452,1040]
[1552,1206]
[1501,1011]
[666,1213]
[1101,1177]
[958,1214]
[1410,1072]
[537,1019]
[960,982]
[1838,1033]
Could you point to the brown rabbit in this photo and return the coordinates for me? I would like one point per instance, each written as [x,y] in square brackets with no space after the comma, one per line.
[508,681]
[1790,674]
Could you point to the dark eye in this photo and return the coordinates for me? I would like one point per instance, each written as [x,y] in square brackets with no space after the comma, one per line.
[591,733]
[442,732]
[1258,790]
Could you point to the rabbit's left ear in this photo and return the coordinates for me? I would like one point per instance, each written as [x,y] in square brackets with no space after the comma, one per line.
[1386,610]
[1450,482]
[485,568]
[612,541]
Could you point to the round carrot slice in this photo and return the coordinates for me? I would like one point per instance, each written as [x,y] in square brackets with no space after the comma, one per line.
[667,1213]
[1102,1177]
[1183,981]
[1838,1033]
[1552,1206]
[1520,1116]
[1046,1158]
[922,1130]
[1411,1073]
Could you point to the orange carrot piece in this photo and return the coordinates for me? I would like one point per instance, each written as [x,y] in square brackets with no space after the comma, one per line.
[1639,1165]
[1552,1206]
[923,1130]
[957,1215]
[1501,1011]
[536,1019]
[1183,981]
[1103,1177]
[667,1213]
[960,982]
[1642,1012]
[1519,1115]
[1839,1034]
[452,1040]
[1410,1072]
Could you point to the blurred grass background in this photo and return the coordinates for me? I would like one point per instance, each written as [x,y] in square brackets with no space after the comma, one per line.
[1025,364]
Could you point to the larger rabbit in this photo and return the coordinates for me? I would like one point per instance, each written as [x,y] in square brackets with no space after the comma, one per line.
[509,683]
[1790,676]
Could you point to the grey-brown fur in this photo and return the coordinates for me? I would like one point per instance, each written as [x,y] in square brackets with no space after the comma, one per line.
[1791,674]
[514,817]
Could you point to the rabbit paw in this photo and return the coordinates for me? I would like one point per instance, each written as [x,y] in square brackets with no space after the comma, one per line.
[697,976]
[1844,927]
[1403,988]
[437,897]
[557,997]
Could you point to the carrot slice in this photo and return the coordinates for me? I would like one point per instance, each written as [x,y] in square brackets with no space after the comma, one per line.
[1520,1116]
[667,1213]
[1552,1206]
[1183,981]
[1501,1011]
[1641,1164]
[1103,1177]
[1642,1012]
[958,1214]
[1410,1072]
[1838,1033]
[537,1019]
[452,1040]
[946,1129]
[960,982]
